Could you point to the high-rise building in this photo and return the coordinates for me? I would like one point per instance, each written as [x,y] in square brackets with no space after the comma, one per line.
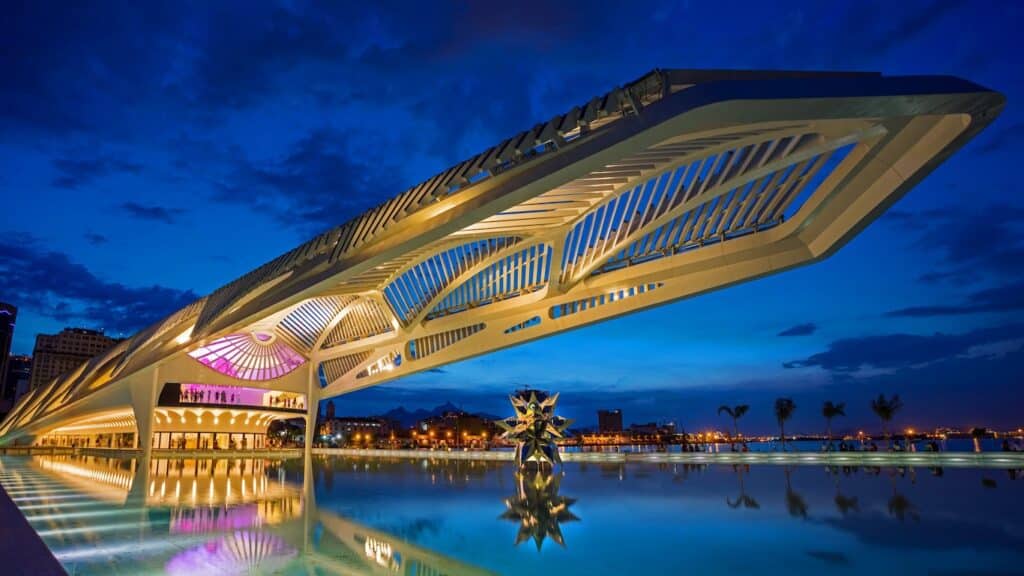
[56,354]
[8,315]
[609,420]
[19,371]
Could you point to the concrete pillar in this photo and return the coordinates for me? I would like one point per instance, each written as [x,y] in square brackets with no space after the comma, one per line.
[312,407]
[144,395]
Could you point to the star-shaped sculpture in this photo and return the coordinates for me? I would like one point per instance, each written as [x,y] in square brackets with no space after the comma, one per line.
[538,508]
[534,428]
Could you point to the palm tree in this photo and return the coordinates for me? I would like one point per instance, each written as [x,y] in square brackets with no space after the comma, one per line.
[830,411]
[885,410]
[977,434]
[735,412]
[784,408]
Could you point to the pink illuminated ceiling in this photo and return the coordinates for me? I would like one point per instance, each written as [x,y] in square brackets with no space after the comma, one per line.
[249,356]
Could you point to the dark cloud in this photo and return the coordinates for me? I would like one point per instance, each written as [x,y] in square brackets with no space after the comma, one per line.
[325,179]
[95,239]
[239,61]
[151,213]
[903,351]
[77,170]
[1000,138]
[907,27]
[799,330]
[972,244]
[53,285]
[1003,298]
[79,68]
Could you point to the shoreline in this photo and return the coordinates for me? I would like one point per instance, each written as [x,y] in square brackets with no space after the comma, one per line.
[917,459]
[926,459]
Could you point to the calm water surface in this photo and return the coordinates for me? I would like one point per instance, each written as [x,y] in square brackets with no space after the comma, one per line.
[427,517]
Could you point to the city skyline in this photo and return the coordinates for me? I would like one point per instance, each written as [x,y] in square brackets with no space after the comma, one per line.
[926,303]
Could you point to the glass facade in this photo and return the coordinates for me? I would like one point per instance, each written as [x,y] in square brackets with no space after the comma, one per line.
[208,441]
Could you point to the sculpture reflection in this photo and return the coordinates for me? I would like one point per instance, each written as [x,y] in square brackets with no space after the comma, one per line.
[538,507]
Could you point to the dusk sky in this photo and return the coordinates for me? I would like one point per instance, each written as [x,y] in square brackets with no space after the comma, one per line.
[150,153]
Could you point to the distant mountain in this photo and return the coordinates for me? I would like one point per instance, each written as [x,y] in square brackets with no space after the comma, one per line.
[409,418]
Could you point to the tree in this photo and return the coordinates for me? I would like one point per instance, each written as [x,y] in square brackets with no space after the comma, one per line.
[784,408]
[977,434]
[735,412]
[885,409]
[830,411]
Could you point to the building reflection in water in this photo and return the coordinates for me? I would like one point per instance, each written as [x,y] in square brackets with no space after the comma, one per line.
[538,507]
[240,552]
[209,516]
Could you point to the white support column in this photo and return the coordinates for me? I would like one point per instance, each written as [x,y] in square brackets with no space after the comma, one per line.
[312,408]
[144,395]
[144,392]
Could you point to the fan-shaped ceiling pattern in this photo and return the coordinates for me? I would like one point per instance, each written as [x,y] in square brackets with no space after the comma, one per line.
[251,356]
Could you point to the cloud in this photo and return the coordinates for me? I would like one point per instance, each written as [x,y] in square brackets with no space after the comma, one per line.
[1001,138]
[972,244]
[908,26]
[151,213]
[53,285]
[325,178]
[84,71]
[1004,298]
[892,352]
[95,239]
[77,170]
[799,330]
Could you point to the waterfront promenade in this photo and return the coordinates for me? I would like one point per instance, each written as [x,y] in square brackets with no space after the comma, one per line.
[925,459]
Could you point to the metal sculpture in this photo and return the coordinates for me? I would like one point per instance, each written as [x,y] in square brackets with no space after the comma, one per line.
[538,508]
[534,428]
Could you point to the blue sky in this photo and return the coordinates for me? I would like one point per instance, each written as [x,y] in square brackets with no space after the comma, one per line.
[151,153]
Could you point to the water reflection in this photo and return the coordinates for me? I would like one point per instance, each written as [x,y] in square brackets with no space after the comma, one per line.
[432,516]
[795,503]
[201,516]
[538,507]
[744,499]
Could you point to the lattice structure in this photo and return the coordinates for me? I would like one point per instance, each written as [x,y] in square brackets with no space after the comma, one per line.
[255,356]
[670,186]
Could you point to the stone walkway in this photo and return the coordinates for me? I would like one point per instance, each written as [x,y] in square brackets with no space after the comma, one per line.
[21,549]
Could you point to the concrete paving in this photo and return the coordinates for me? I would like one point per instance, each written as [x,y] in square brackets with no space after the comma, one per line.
[21,549]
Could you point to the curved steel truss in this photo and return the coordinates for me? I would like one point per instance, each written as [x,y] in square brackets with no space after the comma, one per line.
[675,184]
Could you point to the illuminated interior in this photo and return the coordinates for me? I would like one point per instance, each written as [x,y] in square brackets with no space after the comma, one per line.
[252,356]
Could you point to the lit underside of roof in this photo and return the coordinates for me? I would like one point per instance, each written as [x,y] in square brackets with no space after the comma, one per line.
[670,186]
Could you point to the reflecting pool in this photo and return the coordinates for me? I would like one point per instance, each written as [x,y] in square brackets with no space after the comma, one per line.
[430,517]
